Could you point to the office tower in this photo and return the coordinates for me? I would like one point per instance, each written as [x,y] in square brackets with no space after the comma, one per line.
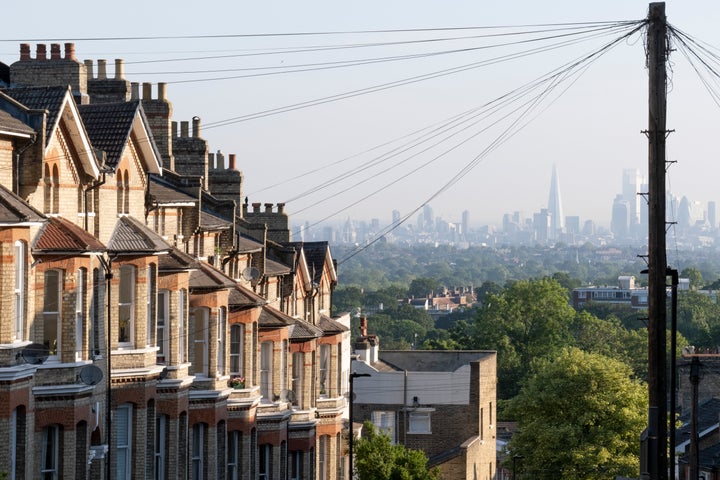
[631,182]
[711,214]
[395,216]
[465,223]
[557,218]
[620,221]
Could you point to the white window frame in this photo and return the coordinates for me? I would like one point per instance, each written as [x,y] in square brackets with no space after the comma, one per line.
[266,367]
[124,441]
[237,349]
[50,459]
[163,320]
[264,461]
[221,326]
[51,315]
[234,445]
[296,464]
[80,291]
[298,366]
[324,368]
[160,431]
[19,292]
[385,422]
[197,457]
[420,422]
[201,321]
[182,327]
[126,301]
[150,334]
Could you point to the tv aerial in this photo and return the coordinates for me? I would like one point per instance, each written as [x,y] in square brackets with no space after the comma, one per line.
[34,354]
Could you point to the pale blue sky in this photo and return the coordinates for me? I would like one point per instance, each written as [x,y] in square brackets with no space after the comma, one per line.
[591,132]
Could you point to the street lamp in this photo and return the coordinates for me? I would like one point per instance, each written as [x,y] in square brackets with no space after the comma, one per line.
[353,376]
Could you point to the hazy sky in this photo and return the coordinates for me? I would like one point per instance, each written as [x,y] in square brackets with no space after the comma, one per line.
[589,126]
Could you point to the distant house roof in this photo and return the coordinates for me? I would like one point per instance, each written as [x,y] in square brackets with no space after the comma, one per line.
[431,360]
[14,210]
[211,221]
[248,245]
[109,126]
[60,235]
[131,236]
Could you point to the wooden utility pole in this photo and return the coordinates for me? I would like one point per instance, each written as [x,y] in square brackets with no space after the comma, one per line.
[657,261]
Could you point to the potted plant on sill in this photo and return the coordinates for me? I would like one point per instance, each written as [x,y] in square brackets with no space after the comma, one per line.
[237,382]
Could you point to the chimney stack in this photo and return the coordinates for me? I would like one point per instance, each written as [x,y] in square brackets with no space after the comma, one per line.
[54,51]
[102,69]
[119,69]
[41,52]
[232,162]
[196,127]
[24,51]
[70,51]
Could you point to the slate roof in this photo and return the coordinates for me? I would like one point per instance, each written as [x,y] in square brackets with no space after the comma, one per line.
[51,99]
[708,414]
[163,192]
[302,331]
[330,326]
[273,318]
[109,125]
[244,297]
[12,125]
[176,261]
[210,221]
[60,235]
[274,267]
[131,236]
[248,245]
[14,209]
[315,255]
[207,277]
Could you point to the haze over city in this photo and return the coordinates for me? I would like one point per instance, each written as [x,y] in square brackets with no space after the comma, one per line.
[224,63]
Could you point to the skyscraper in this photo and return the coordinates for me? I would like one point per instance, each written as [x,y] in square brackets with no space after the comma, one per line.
[557,217]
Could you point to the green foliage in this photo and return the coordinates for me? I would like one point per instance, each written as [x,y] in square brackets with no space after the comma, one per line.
[377,458]
[695,277]
[697,318]
[422,287]
[580,416]
[531,319]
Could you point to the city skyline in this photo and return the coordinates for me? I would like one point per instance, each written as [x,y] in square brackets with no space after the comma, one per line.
[591,127]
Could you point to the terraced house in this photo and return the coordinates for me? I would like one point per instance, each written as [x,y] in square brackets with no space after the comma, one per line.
[153,324]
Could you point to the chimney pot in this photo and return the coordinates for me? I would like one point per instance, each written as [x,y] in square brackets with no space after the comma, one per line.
[70,51]
[256,207]
[134,91]
[54,51]
[281,207]
[231,166]
[119,69]
[89,68]
[174,129]
[184,129]
[268,207]
[162,91]
[147,91]
[24,51]
[102,69]
[41,52]
[196,127]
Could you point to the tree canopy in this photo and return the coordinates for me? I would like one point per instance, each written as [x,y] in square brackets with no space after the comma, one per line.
[377,458]
[580,416]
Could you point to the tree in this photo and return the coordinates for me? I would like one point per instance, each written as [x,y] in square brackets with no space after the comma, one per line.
[377,458]
[695,277]
[422,287]
[579,417]
[531,319]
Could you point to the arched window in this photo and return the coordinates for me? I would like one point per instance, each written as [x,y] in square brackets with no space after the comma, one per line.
[55,190]
[266,370]
[234,455]
[197,458]
[119,187]
[221,326]
[19,292]
[80,292]
[47,191]
[122,422]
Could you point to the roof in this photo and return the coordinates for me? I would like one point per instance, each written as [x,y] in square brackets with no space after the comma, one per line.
[109,126]
[51,99]
[176,261]
[60,235]
[328,325]
[708,413]
[10,125]
[207,277]
[303,331]
[131,236]
[210,221]
[164,193]
[248,245]
[273,318]
[316,253]
[431,360]
[244,297]
[14,209]
[274,267]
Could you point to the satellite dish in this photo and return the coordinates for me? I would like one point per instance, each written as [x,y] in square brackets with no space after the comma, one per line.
[90,375]
[35,353]
[250,274]
[287,396]
[163,373]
